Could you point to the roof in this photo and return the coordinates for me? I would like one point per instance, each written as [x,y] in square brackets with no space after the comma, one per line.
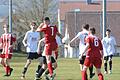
[67,6]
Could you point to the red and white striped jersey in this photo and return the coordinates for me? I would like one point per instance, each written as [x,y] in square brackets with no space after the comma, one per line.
[7,40]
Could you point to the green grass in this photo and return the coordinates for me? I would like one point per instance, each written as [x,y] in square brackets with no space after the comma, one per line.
[68,69]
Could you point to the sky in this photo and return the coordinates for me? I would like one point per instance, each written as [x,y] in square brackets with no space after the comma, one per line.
[85,0]
[3,10]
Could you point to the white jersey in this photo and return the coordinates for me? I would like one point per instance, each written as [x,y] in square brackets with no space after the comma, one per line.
[58,40]
[82,35]
[32,41]
[108,45]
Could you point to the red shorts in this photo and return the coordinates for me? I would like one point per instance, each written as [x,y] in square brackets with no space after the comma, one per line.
[50,47]
[9,56]
[97,62]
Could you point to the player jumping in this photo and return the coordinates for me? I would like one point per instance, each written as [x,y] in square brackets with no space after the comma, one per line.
[50,41]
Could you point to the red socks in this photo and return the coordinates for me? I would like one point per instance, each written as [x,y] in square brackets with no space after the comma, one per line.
[100,76]
[7,69]
[84,75]
[50,68]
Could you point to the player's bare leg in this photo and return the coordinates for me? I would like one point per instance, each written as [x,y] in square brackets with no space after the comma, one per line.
[81,67]
[25,68]
[100,76]
[2,62]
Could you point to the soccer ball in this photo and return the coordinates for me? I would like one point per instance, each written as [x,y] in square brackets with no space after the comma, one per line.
[65,40]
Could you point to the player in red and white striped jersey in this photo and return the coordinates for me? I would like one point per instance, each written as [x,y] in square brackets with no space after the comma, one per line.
[7,41]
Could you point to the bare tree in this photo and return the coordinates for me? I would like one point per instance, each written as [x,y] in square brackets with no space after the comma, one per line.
[33,10]
[25,11]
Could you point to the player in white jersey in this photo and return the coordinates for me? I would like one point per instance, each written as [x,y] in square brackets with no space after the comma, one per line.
[30,41]
[109,45]
[81,36]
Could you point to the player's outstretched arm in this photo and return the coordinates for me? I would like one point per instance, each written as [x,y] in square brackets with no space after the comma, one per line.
[74,39]
[60,35]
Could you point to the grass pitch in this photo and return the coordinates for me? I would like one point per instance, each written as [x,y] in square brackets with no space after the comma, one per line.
[68,69]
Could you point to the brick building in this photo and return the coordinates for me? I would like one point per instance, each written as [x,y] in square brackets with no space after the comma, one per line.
[91,14]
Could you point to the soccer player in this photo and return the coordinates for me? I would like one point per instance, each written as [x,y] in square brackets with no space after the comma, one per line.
[7,40]
[81,36]
[109,45]
[44,63]
[50,33]
[30,41]
[94,54]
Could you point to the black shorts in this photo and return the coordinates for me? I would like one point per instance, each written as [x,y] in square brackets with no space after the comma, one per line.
[0,50]
[52,59]
[107,57]
[81,61]
[33,55]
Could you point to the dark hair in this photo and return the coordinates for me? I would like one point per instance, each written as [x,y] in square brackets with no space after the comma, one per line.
[108,30]
[33,23]
[92,30]
[47,19]
[85,26]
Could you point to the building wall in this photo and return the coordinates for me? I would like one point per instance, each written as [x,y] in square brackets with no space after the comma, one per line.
[74,21]
[66,6]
